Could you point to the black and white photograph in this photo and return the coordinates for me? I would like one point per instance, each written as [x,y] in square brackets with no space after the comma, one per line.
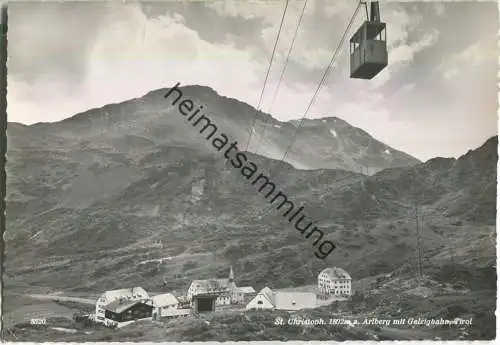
[249,170]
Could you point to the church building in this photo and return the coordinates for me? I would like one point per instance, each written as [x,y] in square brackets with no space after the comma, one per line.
[226,289]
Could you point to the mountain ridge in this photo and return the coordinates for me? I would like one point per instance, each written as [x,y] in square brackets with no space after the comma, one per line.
[335,143]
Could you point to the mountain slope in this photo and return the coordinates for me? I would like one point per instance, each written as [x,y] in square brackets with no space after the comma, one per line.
[100,209]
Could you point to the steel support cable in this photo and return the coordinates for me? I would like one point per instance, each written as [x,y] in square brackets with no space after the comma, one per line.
[366,9]
[292,44]
[323,78]
[267,75]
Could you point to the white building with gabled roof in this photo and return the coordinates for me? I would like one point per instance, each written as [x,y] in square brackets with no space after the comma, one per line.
[167,305]
[163,304]
[263,300]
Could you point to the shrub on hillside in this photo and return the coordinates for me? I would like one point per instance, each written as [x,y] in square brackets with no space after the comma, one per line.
[189,265]
[358,297]
[454,311]
[284,283]
[370,225]
[199,328]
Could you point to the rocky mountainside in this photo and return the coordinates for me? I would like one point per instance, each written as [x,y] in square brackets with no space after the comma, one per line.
[130,194]
[138,126]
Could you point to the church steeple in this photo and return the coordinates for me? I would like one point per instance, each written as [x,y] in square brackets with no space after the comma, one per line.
[231,275]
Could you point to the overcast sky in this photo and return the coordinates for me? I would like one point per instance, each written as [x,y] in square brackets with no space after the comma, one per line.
[438,96]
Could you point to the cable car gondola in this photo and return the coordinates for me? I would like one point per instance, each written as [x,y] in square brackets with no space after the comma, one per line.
[368,46]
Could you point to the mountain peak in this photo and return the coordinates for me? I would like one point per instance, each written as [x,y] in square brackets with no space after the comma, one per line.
[192,89]
[322,143]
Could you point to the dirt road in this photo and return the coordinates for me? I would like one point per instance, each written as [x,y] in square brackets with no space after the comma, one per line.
[63,298]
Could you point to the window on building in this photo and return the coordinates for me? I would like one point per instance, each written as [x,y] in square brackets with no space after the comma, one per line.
[259,302]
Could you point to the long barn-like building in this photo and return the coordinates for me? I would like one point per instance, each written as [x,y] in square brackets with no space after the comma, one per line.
[280,300]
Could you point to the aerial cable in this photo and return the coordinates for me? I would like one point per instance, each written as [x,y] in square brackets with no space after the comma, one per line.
[323,78]
[276,91]
[267,75]
[366,9]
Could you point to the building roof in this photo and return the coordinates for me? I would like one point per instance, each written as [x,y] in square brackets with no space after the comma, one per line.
[246,289]
[114,294]
[267,293]
[213,295]
[294,300]
[119,306]
[211,285]
[248,297]
[336,273]
[164,300]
